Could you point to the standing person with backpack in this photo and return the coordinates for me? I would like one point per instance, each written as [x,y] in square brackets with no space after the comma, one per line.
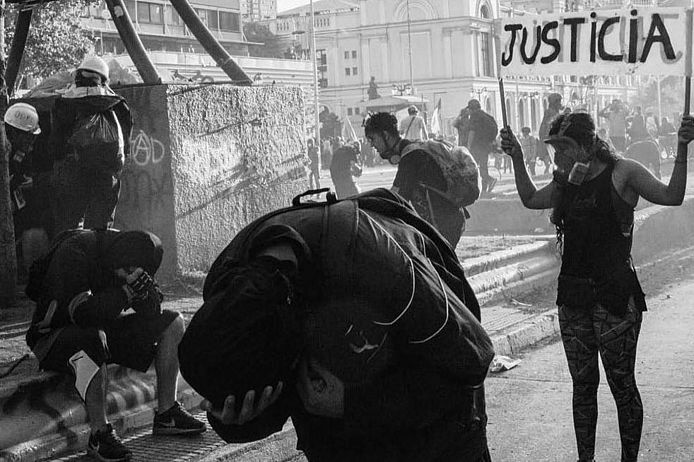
[413,127]
[481,136]
[90,137]
[353,317]
[439,179]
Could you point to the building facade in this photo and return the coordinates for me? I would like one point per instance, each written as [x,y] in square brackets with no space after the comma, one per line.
[175,51]
[259,10]
[437,50]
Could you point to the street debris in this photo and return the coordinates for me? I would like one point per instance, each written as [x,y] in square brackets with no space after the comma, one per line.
[503,363]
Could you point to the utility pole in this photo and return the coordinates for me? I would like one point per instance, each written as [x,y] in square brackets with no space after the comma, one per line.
[8,255]
[409,45]
[314,60]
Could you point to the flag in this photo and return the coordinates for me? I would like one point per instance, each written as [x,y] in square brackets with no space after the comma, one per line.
[348,133]
[436,119]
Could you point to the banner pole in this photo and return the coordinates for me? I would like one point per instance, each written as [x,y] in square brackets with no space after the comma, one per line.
[688,67]
[503,103]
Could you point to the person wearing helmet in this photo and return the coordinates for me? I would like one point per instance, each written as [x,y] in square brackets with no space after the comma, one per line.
[592,196]
[91,140]
[413,127]
[29,184]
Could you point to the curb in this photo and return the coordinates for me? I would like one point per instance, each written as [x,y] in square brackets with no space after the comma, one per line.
[47,415]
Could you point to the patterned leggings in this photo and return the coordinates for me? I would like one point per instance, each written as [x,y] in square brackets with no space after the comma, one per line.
[584,333]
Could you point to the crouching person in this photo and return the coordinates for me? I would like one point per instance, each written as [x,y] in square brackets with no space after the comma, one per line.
[91,278]
[355,319]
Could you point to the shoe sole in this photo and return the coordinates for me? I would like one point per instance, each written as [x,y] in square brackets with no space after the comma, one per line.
[91,452]
[178,431]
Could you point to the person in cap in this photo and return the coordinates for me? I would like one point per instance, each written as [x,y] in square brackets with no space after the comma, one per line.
[80,324]
[482,134]
[354,318]
[592,196]
[413,127]
[422,177]
[90,137]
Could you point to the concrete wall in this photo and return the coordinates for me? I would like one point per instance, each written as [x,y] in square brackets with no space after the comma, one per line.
[206,160]
[147,193]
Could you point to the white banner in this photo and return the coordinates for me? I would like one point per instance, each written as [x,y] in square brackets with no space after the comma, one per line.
[606,42]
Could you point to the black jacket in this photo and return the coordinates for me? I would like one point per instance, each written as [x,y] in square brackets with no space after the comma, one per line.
[417,396]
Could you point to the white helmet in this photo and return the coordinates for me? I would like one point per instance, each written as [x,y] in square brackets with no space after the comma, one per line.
[24,117]
[94,64]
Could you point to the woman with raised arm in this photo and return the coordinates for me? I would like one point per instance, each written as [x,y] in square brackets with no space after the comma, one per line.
[592,196]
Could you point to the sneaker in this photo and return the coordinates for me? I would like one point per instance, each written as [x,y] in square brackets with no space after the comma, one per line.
[177,421]
[106,446]
[491,185]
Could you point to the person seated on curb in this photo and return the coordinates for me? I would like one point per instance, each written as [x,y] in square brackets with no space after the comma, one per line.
[355,319]
[79,326]
[593,196]
[439,179]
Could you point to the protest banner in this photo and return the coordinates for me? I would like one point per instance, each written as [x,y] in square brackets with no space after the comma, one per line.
[645,41]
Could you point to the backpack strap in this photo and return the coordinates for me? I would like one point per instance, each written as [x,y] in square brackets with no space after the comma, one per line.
[340,224]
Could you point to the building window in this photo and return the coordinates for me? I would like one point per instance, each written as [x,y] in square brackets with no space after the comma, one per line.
[347,71]
[130,6]
[357,111]
[175,18]
[229,22]
[354,71]
[346,54]
[150,13]
[212,19]
[485,52]
[354,54]
[349,111]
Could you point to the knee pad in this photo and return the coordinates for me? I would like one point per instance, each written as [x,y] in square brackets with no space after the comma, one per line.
[85,369]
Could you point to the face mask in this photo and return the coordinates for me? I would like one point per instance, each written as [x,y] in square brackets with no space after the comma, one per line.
[578,173]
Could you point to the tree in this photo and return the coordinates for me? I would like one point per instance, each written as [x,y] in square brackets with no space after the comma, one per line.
[57,39]
[256,32]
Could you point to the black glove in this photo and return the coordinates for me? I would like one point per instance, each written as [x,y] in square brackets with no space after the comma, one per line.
[141,286]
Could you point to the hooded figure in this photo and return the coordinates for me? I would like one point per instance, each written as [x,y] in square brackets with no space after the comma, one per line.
[369,296]
[80,324]
[91,140]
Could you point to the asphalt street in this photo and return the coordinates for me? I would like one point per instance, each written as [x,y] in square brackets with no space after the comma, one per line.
[529,407]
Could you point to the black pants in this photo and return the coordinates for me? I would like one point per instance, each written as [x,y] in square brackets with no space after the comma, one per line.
[482,160]
[585,333]
[83,196]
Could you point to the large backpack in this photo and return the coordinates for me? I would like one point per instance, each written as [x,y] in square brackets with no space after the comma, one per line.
[486,128]
[458,167]
[97,140]
[39,268]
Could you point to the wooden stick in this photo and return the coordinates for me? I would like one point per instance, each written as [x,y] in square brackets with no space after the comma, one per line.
[503,102]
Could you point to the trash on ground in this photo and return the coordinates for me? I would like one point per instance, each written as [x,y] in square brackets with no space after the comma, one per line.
[517,303]
[503,363]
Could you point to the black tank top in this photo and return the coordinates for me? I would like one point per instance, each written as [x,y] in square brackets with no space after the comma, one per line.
[598,230]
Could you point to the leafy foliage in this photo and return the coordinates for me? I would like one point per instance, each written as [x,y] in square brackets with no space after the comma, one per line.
[57,39]
[256,32]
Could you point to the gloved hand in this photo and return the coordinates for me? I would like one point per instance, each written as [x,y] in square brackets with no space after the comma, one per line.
[140,283]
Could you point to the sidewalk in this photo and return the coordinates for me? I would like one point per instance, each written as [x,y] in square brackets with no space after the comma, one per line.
[43,417]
